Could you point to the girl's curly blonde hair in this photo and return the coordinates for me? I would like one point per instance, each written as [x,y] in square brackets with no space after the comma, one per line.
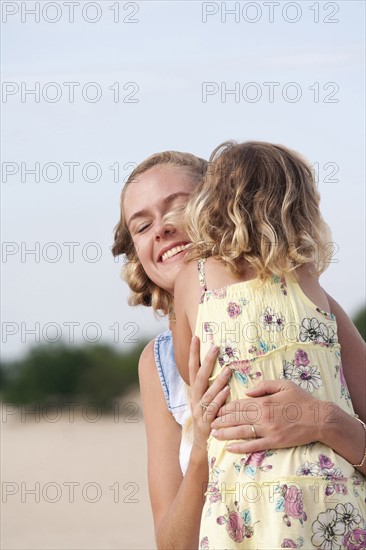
[258,204]
[144,290]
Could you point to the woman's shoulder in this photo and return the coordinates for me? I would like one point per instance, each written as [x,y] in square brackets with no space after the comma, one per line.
[147,359]
[152,391]
[157,364]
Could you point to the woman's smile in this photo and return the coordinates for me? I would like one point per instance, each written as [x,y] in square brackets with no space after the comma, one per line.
[172,251]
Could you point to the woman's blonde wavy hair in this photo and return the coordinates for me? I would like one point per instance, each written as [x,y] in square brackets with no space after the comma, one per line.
[258,204]
[143,290]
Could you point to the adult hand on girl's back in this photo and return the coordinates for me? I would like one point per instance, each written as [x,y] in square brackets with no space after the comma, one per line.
[283,415]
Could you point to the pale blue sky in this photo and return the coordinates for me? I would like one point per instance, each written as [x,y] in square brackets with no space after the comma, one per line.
[168,54]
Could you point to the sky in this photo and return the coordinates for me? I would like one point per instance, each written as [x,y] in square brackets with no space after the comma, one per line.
[90,89]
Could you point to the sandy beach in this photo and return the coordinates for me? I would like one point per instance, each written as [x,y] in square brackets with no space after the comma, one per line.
[74,479]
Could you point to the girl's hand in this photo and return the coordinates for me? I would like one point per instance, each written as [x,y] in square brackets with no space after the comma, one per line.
[205,401]
[283,415]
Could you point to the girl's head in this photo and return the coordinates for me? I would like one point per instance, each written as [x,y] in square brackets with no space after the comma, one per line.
[146,233]
[259,204]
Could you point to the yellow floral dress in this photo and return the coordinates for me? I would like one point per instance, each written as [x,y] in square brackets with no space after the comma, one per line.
[300,497]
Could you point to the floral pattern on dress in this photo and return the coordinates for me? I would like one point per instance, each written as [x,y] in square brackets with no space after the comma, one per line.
[218,293]
[339,528]
[290,543]
[253,462]
[358,482]
[244,373]
[355,540]
[308,469]
[228,353]
[272,321]
[326,314]
[208,327]
[213,493]
[313,331]
[283,283]
[335,481]
[290,500]
[344,388]
[233,309]
[262,348]
[301,372]
[238,524]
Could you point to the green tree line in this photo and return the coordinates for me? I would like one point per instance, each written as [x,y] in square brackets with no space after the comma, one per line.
[62,373]
[90,373]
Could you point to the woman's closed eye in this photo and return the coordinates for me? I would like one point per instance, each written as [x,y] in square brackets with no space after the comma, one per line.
[140,228]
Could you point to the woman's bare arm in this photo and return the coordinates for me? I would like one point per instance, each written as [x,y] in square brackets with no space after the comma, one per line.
[176,501]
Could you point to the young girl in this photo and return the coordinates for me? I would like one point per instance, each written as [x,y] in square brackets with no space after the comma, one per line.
[261,243]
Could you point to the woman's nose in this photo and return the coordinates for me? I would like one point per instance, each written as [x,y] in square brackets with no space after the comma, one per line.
[163,230]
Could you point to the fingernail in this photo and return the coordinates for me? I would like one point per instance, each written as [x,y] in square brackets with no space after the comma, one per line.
[214,349]
[228,448]
[227,371]
[214,433]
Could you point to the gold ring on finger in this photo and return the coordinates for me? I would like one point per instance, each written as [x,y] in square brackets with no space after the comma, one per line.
[254,432]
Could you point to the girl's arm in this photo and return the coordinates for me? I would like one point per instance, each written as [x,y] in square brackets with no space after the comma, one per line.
[353,353]
[177,501]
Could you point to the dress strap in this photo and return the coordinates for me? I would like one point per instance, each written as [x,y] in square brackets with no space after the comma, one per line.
[202,277]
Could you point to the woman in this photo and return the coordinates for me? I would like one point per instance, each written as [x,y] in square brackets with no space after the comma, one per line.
[155,251]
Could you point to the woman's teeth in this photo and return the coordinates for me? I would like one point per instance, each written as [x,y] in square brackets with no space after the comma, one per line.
[173,251]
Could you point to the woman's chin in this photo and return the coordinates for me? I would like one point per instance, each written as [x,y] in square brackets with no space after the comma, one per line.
[168,271]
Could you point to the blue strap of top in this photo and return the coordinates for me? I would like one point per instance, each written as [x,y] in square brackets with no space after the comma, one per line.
[171,381]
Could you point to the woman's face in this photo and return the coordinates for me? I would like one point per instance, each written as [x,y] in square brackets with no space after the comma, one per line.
[159,247]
